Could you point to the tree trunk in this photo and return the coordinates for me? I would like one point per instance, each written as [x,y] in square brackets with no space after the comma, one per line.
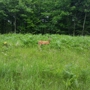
[84,24]
[2,26]
[74,29]
[14,24]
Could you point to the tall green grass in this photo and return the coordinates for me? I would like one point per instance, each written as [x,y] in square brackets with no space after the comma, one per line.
[62,65]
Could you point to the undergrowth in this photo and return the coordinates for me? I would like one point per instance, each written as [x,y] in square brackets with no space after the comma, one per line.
[61,65]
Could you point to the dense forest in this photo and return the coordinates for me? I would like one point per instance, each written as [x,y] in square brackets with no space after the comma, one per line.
[71,17]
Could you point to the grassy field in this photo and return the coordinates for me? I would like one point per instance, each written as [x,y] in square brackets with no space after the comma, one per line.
[64,64]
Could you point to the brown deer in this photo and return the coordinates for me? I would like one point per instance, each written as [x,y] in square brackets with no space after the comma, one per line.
[41,42]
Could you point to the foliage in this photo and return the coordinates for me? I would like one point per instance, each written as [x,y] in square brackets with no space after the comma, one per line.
[43,16]
[64,64]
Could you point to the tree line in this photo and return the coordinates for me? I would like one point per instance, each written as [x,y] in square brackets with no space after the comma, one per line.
[69,17]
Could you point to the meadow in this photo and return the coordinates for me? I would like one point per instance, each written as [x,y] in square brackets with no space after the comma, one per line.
[64,64]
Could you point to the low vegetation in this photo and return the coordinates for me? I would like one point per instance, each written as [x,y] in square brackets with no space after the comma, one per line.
[61,65]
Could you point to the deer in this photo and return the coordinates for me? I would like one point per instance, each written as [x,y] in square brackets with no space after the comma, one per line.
[41,42]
